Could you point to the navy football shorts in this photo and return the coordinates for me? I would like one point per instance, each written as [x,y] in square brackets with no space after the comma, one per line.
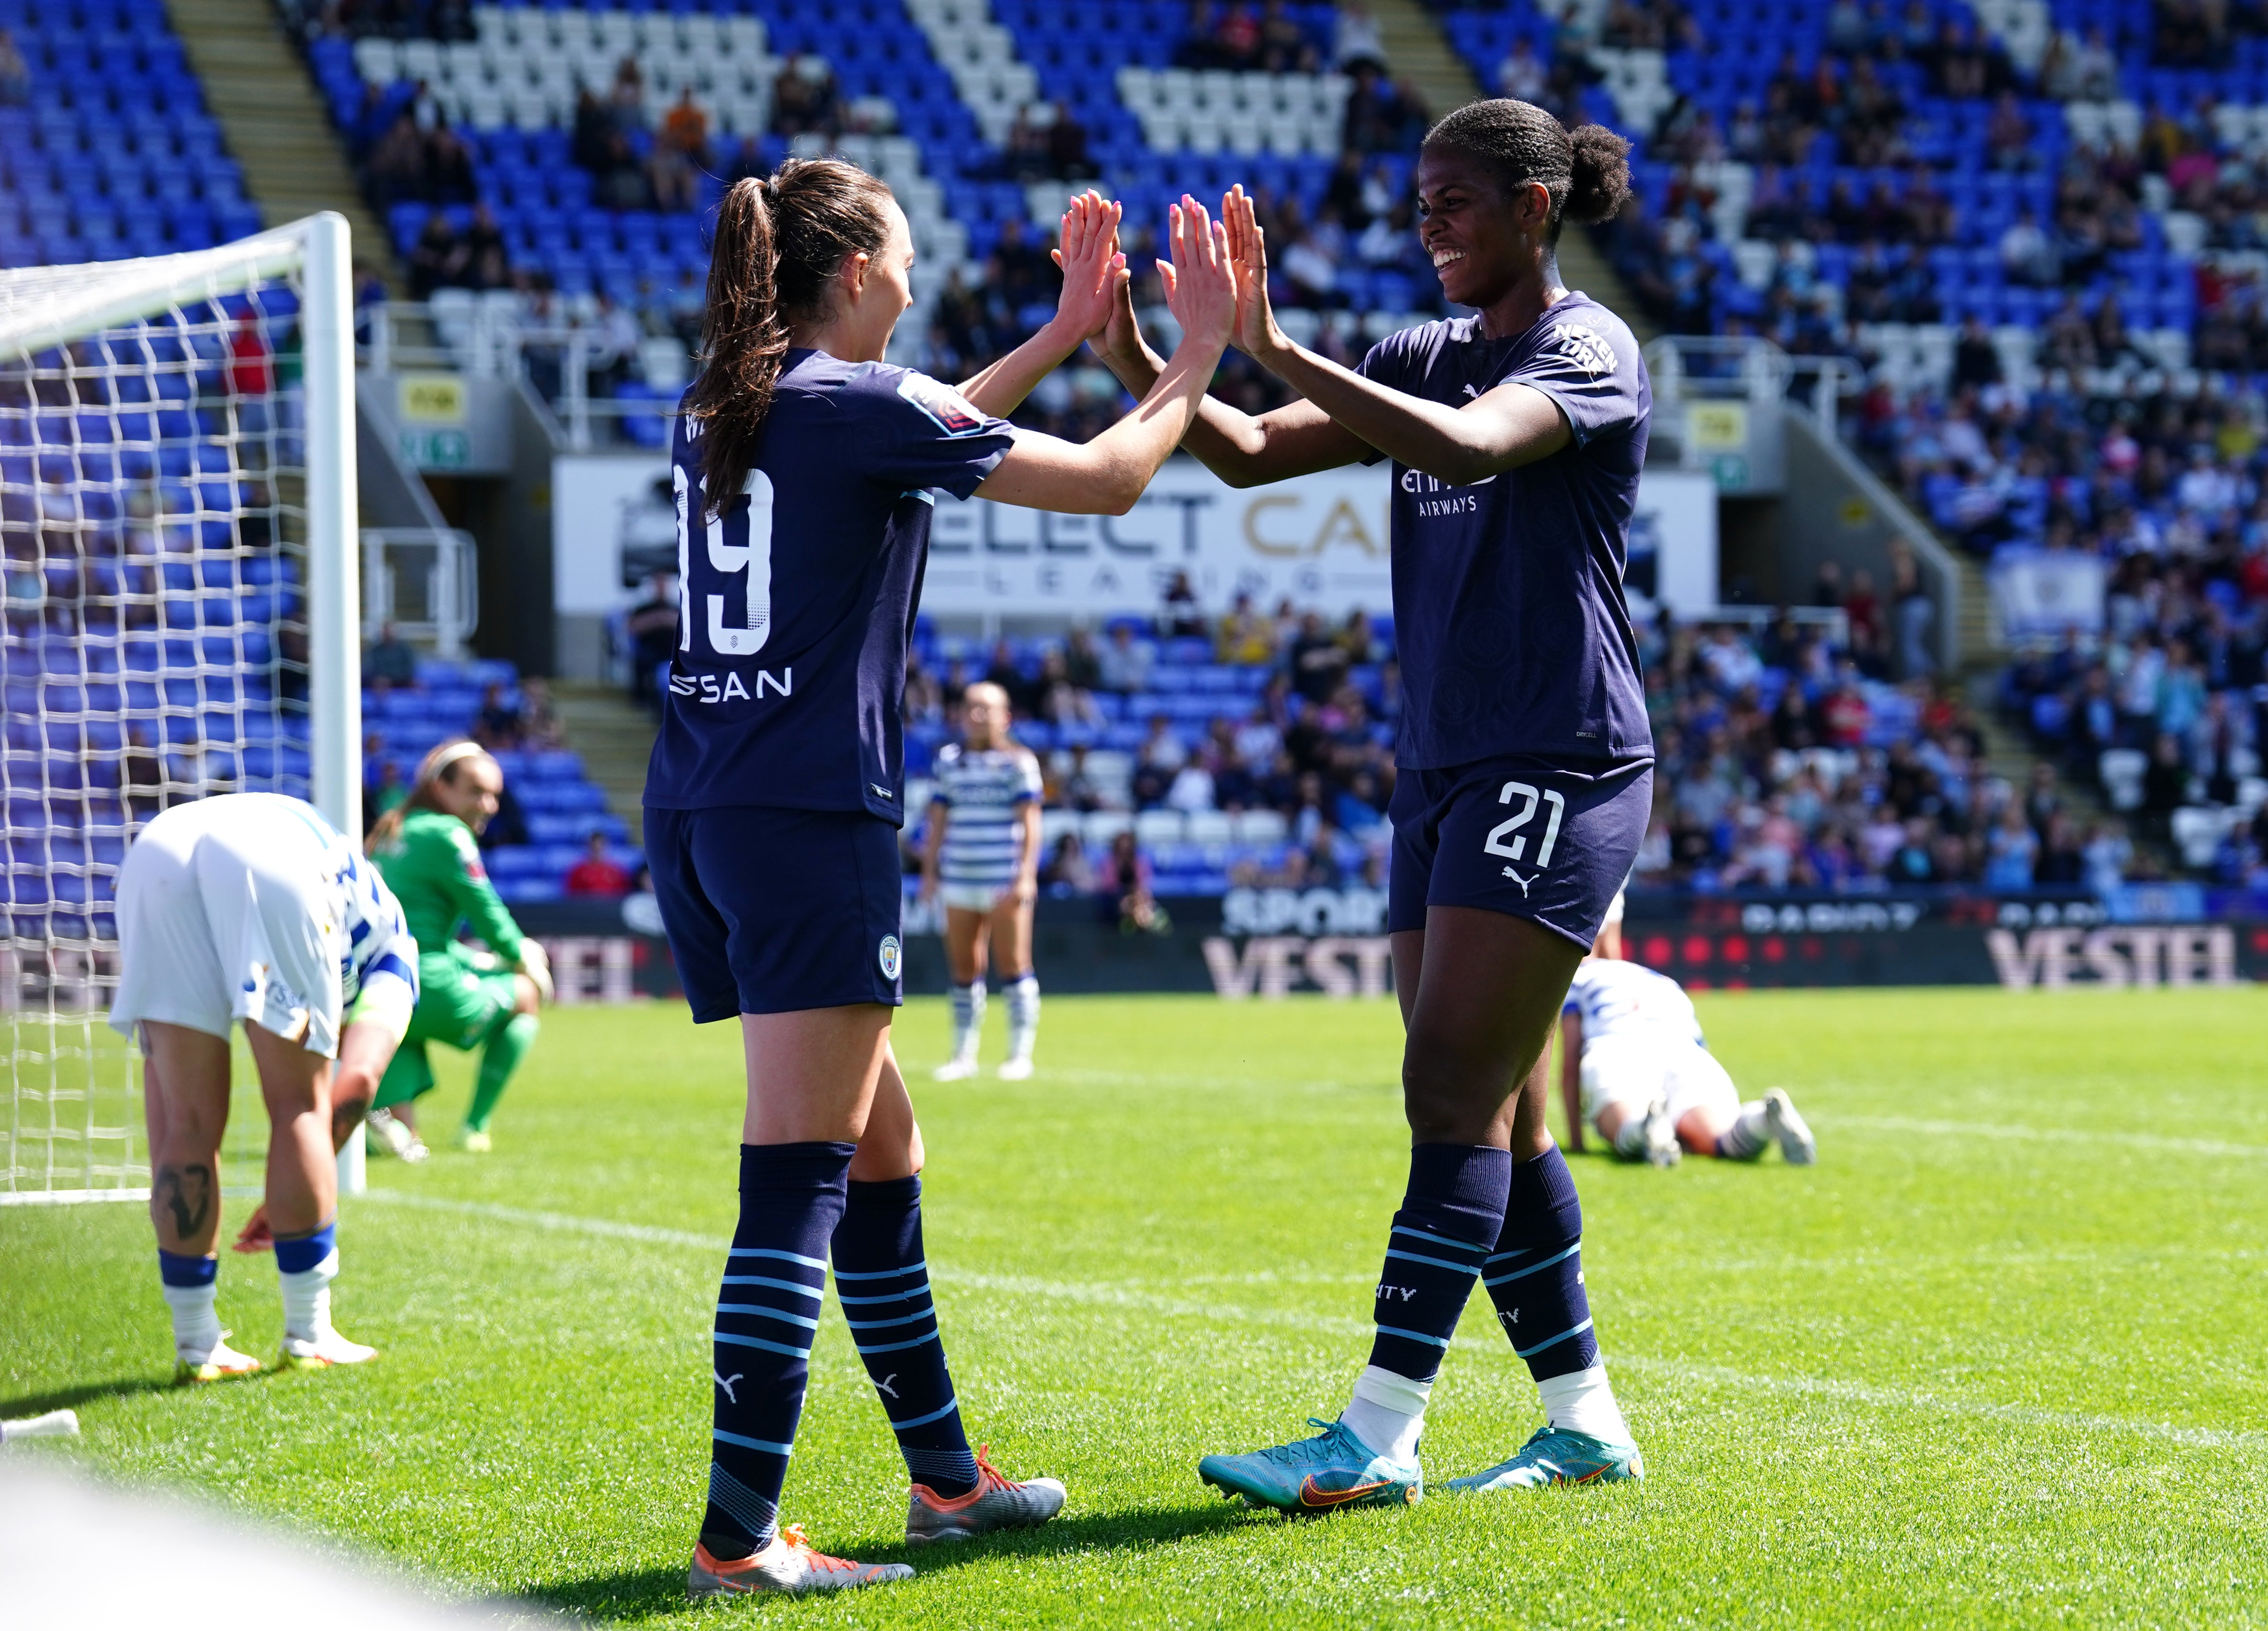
[1533,838]
[774,911]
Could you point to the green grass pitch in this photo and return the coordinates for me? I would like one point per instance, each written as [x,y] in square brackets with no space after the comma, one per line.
[2001,1358]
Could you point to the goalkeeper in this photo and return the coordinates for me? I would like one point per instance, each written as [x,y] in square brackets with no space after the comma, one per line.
[466,999]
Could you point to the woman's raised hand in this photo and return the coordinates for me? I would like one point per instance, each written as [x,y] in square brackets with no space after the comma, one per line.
[1256,334]
[1092,268]
[1201,282]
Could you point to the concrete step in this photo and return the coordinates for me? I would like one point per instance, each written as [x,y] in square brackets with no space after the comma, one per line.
[1419,52]
[275,125]
[616,737]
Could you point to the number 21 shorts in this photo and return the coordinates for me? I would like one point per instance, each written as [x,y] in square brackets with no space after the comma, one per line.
[1549,840]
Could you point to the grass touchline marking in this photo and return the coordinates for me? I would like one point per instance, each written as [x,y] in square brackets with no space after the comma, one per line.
[1120,1297]
[2043,1135]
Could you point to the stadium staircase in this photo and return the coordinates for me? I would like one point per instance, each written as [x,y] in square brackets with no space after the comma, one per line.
[276,127]
[1420,54]
[615,739]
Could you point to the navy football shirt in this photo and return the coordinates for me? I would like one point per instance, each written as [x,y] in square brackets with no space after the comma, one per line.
[797,600]
[1509,617]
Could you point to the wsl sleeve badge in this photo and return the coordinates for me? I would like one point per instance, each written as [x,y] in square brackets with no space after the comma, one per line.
[888,957]
[954,413]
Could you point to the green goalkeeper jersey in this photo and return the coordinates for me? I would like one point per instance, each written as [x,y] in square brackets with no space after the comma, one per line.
[434,870]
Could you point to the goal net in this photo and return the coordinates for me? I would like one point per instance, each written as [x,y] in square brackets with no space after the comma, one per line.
[177,503]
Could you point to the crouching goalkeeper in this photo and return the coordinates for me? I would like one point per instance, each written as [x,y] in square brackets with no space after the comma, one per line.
[467,999]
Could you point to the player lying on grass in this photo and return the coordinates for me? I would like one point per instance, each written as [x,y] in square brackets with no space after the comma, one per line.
[982,856]
[251,907]
[1525,758]
[804,466]
[466,1000]
[1632,1064]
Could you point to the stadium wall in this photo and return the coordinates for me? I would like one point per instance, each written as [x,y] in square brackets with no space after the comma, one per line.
[1264,945]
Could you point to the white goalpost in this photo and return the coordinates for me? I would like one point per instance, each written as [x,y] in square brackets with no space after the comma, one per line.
[177,518]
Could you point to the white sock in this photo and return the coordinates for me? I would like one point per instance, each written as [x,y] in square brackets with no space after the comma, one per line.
[1388,1413]
[1023,1016]
[1630,1138]
[1746,1138]
[1584,1402]
[307,1299]
[968,1019]
[196,1324]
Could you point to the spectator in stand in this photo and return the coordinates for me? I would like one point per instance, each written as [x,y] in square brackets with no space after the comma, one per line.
[1156,763]
[389,660]
[1066,870]
[598,873]
[1179,613]
[680,153]
[383,793]
[1520,76]
[1082,664]
[1359,38]
[15,73]
[651,628]
[499,726]
[1124,881]
[805,100]
[440,258]
[1317,660]
[541,726]
[1245,638]
[1125,663]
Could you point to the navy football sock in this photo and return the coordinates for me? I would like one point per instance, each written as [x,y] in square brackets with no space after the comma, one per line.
[883,1282]
[1535,1274]
[791,1196]
[1449,1218]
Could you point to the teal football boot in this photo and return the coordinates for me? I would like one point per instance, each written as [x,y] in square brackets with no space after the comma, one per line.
[1334,1469]
[1556,1456]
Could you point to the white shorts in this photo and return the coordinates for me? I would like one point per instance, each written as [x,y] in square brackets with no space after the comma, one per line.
[985,898]
[1634,1070]
[222,915]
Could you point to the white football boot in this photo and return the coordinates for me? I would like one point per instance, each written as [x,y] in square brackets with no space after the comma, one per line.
[1793,1133]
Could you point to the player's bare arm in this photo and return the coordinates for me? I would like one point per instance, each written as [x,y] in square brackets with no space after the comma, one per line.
[940,815]
[1243,449]
[1498,430]
[1106,476]
[1092,269]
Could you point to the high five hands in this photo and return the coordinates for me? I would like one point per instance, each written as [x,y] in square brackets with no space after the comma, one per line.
[1095,272]
[1202,287]
[1245,244]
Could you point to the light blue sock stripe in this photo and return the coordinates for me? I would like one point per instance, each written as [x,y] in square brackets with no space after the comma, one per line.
[894,1348]
[1414,1336]
[1534,1269]
[1506,1256]
[819,1263]
[1420,1234]
[1434,1262]
[893,1296]
[884,1273]
[814,1292]
[758,1341]
[761,1313]
[884,1325]
[764,1444]
[1552,1340]
[951,1405]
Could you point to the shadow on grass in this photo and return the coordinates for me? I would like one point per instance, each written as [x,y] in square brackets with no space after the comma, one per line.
[85,1393]
[627,1593]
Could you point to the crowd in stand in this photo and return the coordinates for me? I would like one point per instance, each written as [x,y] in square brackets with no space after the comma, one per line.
[1790,756]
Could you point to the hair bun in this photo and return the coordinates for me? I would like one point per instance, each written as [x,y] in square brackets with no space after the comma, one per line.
[1602,182]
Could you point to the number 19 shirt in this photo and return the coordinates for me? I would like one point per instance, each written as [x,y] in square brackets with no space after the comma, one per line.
[798,599]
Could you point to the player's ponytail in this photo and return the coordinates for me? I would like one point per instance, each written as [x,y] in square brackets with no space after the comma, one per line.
[779,243]
[441,765]
[1585,171]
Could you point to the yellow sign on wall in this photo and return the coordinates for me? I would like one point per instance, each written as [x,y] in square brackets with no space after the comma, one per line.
[1716,427]
[430,399]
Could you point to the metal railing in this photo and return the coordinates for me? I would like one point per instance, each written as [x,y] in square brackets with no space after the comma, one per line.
[1722,367]
[425,582]
[490,339]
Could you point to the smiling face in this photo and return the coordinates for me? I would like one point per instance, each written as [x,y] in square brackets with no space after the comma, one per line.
[1481,242]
